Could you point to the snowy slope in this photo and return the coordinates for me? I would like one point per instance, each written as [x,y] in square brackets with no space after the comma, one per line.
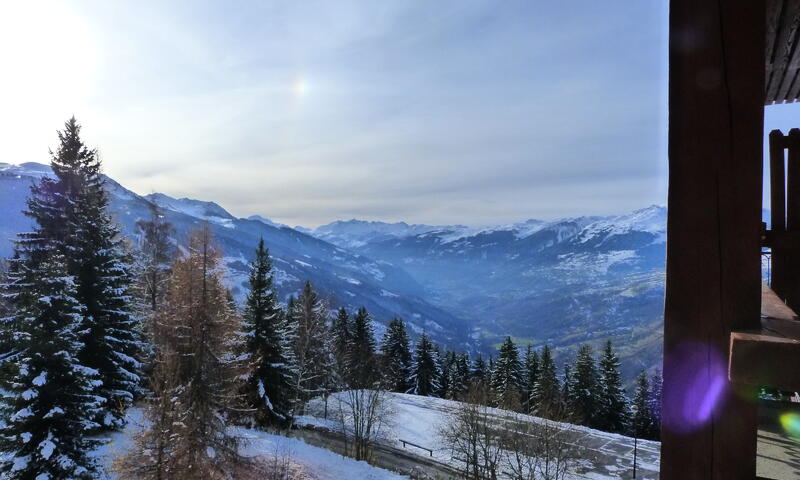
[419,420]
[316,463]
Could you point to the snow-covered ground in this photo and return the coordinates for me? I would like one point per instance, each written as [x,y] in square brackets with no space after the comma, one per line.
[315,463]
[419,420]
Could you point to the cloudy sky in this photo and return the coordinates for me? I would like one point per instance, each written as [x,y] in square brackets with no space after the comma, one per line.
[439,112]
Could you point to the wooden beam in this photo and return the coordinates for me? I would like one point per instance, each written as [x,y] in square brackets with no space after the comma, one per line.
[764,360]
[716,98]
[783,51]
[777,181]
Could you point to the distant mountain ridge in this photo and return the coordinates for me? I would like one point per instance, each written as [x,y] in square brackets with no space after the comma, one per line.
[562,282]
[344,278]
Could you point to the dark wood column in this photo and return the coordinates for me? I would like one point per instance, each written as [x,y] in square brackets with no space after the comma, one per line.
[716,103]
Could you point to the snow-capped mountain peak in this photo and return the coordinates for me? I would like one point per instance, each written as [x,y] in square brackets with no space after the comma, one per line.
[267,221]
[194,208]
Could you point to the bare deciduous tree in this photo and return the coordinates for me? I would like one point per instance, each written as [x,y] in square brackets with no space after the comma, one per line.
[364,416]
[473,437]
[539,450]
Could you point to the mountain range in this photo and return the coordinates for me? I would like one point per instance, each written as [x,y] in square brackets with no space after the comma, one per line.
[562,282]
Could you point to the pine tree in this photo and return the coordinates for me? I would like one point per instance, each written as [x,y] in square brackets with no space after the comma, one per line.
[641,418]
[363,372]
[424,370]
[201,352]
[612,416]
[396,357]
[655,403]
[341,333]
[507,376]
[311,357]
[531,368]
[269,384]
[545,399]
[582,402]
[77,219]
[49,403]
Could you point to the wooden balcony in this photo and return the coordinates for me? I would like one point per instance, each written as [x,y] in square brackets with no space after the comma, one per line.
[768,357]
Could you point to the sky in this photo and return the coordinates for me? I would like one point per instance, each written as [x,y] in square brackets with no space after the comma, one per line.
[470,112]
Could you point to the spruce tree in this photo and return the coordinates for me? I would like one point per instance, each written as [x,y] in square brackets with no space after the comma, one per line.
[459,376]
[641,419]
[656,383]
[78,219]
[446,367]
[531,369]
[566,389]
[507,376]
[361,355]
[545,399]
[341,333]
[582,402]
[49,403]
[612,416]
[396,357]
[424,370]
[478,371]
[269,390]
[311,357]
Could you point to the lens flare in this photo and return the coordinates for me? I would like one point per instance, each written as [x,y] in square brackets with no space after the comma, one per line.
[698,382]
[791,424]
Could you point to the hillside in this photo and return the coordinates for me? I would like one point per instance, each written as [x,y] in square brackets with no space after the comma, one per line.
[420,420]
[343,277]
[562,282]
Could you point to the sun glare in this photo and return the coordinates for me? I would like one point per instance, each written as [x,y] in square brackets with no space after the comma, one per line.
[49,60]
[300,87]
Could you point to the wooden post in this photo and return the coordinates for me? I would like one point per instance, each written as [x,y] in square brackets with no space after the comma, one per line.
[716,98]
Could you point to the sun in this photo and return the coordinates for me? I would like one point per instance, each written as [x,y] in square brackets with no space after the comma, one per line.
[300,87]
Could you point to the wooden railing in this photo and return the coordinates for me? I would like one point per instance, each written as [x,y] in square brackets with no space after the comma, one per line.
[783,237]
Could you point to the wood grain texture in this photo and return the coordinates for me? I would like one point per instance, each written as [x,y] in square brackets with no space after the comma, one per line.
[716,98]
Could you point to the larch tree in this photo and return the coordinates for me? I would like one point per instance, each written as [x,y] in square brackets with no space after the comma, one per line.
[269,385]
[396,350]
[48,404]
[424,369]
[201,367]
